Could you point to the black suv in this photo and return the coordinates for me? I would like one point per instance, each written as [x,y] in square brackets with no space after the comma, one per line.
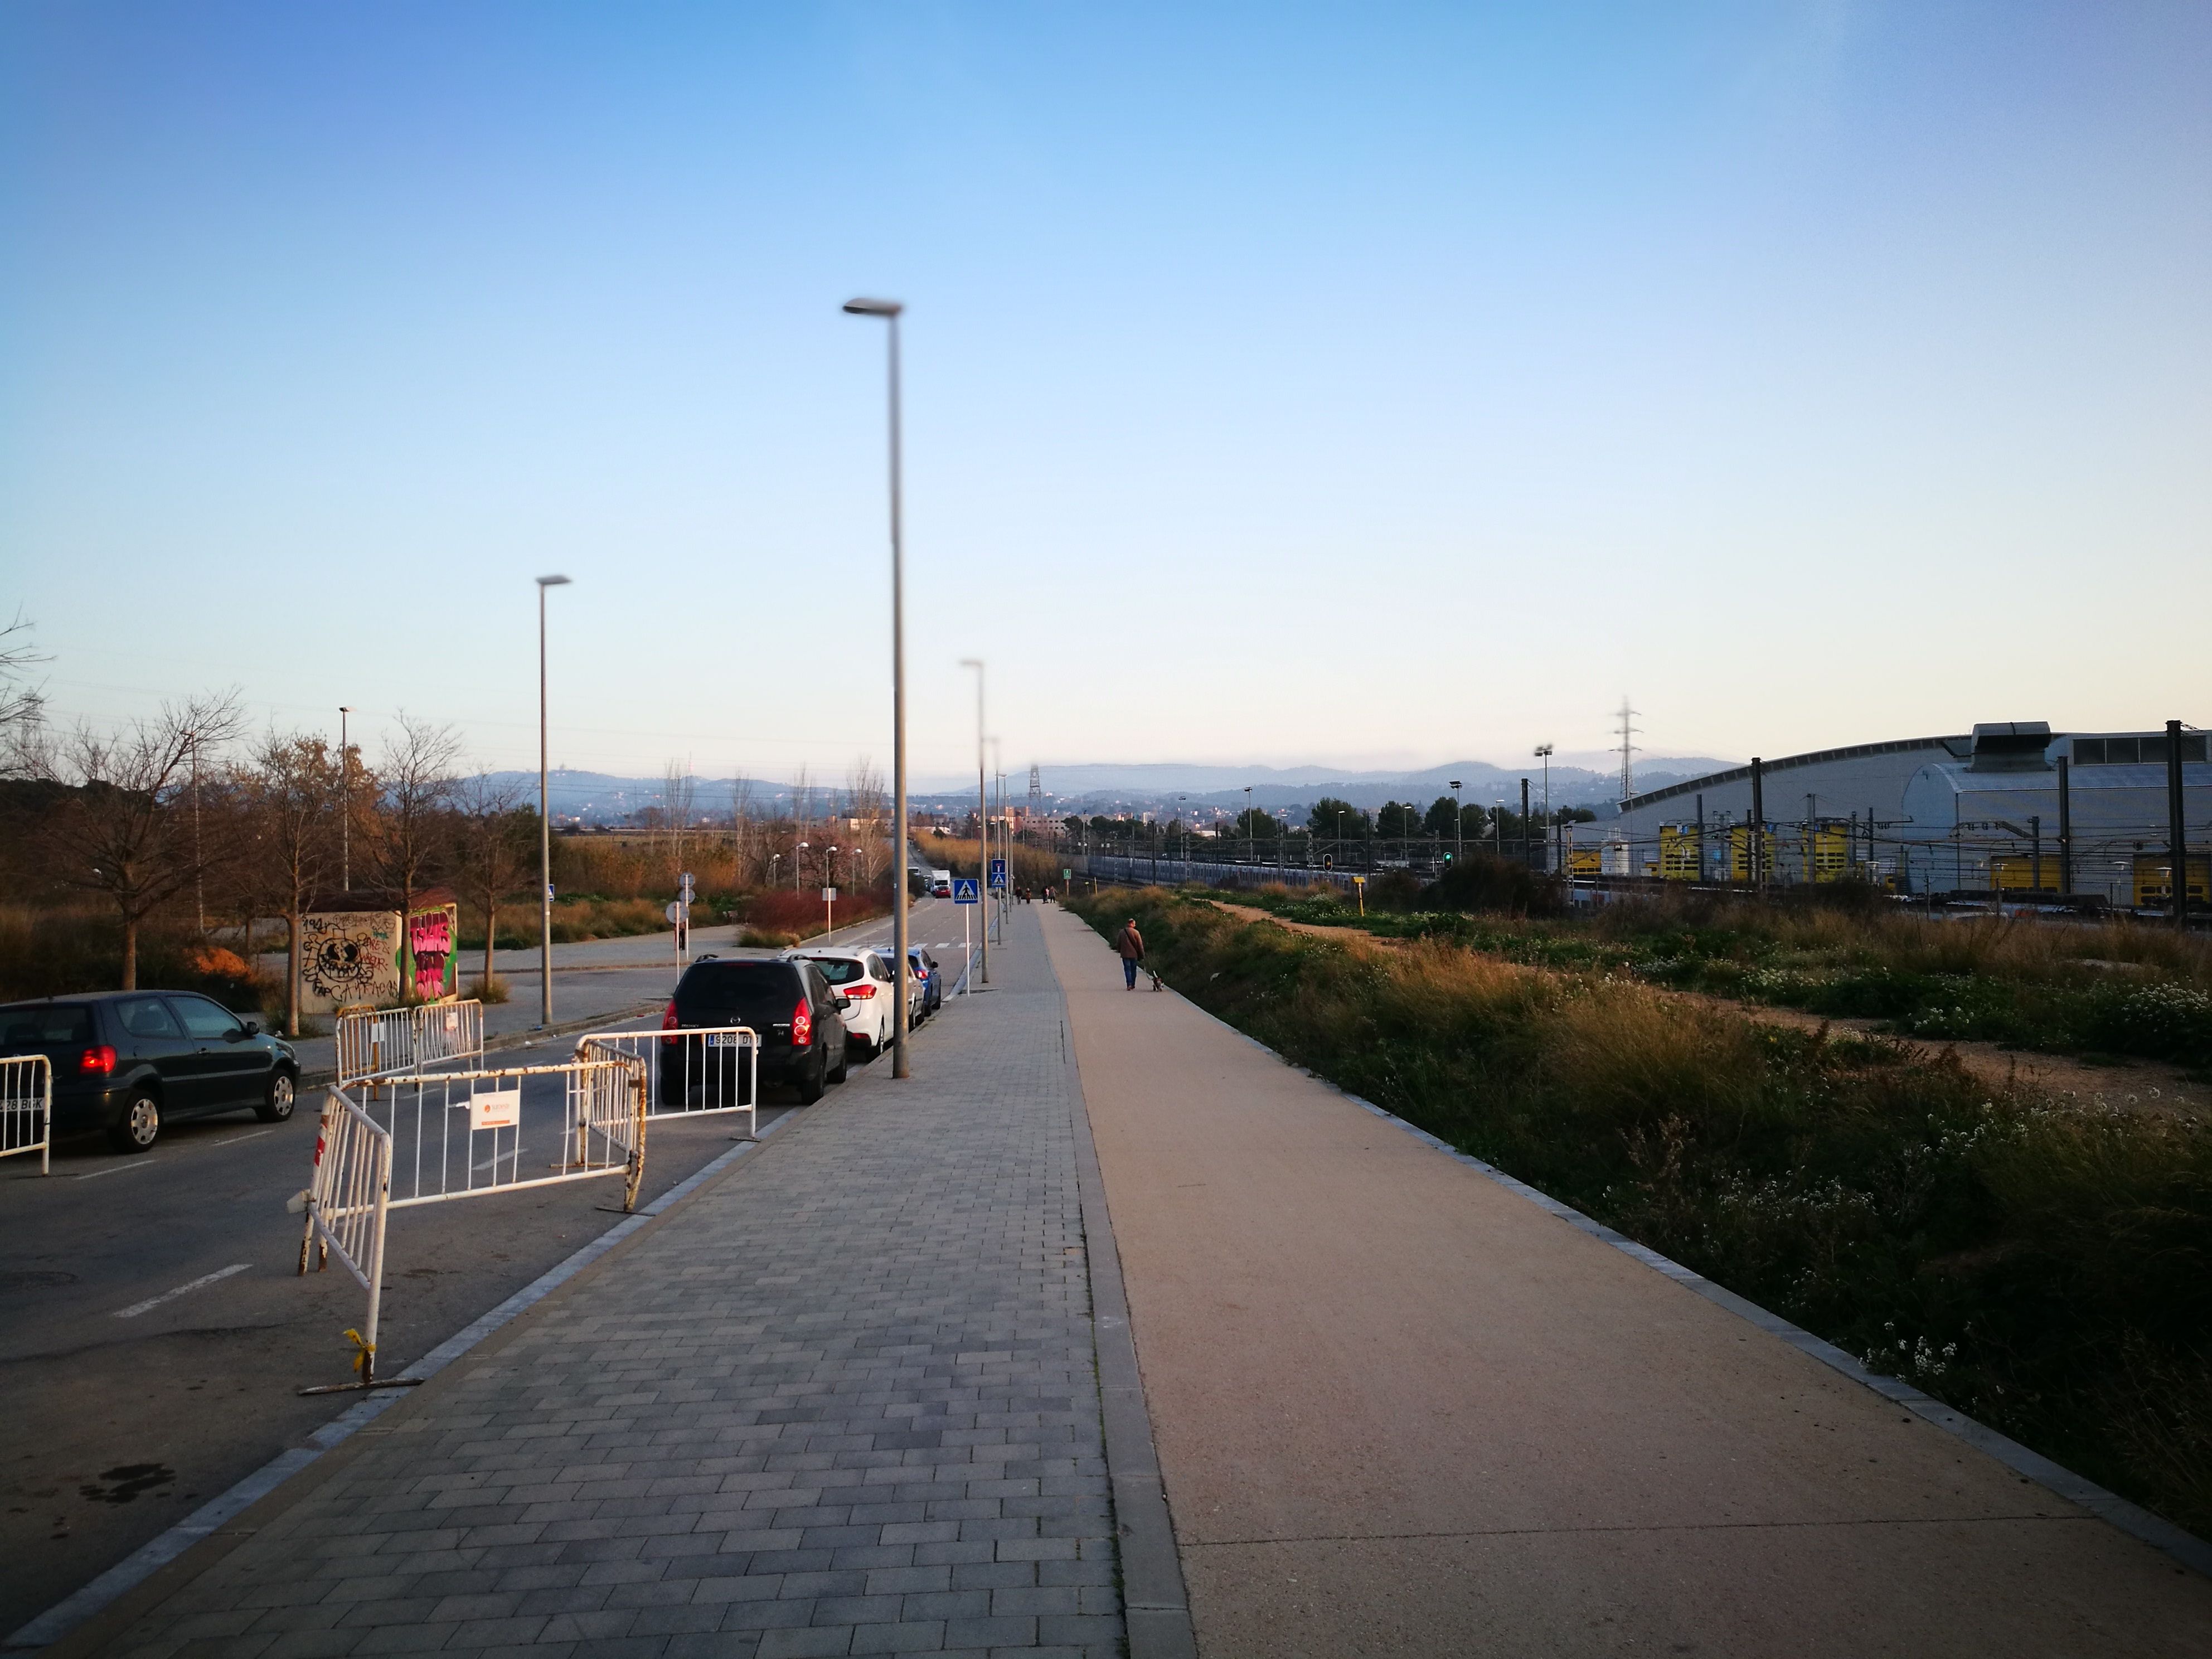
[124,1060]
[788,1004]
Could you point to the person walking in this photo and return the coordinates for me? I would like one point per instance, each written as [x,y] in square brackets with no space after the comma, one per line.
[1129,946]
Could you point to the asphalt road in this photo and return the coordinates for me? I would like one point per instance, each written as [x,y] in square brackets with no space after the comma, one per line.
[154,1331]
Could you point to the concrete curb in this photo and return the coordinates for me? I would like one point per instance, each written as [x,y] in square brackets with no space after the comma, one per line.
[211,1517]
[1155,1605]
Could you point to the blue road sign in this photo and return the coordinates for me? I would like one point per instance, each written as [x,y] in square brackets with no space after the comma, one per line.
[963,891]
[998,872]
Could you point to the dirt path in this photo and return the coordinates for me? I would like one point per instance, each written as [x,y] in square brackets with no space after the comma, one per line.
[2138,1084]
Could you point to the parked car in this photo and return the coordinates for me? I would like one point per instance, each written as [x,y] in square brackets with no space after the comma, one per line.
[787,1000]
[924,969]
[862,980]
[126,1061]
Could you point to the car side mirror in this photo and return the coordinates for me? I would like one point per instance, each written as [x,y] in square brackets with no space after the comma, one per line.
[253,1028]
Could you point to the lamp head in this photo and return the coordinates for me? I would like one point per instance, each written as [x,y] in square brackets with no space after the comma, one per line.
[873,307]
[553,581]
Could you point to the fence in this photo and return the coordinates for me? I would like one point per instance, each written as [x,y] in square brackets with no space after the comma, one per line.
[695,1070]
[396,1141]
[377,1042]
[27,1107]
[347,1202]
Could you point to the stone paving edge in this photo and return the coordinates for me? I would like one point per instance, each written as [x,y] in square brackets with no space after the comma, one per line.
[124,1583]
[1155,1604]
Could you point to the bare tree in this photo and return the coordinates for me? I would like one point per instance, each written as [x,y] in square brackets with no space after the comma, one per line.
[292,790]
[21,707]
[497,837]
[415,786]
[115,827]
[679,790]
[866,807]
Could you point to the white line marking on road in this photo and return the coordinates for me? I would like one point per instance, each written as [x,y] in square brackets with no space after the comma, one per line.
[501,1155]
[113,1168]
[137,1308]
[234,1139]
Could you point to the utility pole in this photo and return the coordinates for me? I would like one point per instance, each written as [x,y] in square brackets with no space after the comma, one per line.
[983,824]
[544,826]
[2065,831]
[1628,748]
[199,860]
[2176,835]
[1758,827]
[1527,856]
[1543,752]
[345,804]
[1459,830]
[1250,854]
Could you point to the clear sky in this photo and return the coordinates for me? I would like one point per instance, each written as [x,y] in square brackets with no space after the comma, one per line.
[1356,383]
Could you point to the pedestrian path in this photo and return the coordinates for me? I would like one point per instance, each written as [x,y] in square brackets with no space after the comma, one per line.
[845,1399]
[1401,1409]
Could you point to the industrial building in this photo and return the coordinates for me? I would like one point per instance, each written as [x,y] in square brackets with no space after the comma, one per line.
[2009,807]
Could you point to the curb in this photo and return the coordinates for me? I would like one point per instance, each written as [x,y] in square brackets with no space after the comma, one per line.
[1155,1603]
[67,1615]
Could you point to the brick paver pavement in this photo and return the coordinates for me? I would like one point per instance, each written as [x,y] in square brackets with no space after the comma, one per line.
[843,1402]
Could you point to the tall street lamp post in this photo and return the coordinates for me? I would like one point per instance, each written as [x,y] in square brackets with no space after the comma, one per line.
[889,310]
[982,821]
[545,825]
[1251,854]
[1459,829]
[1543,753]
[345,804]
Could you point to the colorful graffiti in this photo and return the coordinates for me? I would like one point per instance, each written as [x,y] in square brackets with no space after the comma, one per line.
[430,948]
[349,956]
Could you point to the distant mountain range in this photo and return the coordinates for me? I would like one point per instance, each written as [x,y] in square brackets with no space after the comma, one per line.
[1163,788]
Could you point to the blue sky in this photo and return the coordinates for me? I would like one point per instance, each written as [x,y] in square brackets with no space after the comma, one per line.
[1350,384]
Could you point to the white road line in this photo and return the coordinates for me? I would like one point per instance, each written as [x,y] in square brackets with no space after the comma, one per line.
[234,1139]
[113,1168]
[502,1155]
[137,1308]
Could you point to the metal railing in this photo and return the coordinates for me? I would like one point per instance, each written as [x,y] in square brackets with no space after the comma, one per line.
[385,1041]
[395,1142]
[695,1070]
[27,1107]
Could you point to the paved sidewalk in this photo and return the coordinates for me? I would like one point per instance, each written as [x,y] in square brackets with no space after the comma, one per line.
[1400,1409]
[843,1401]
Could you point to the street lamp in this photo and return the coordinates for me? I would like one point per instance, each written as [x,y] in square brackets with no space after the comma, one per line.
[346,805]
[544,826]
[889,310]
[1459,829]
[982,820]
[1251,856]
[798,863]
[1543,752]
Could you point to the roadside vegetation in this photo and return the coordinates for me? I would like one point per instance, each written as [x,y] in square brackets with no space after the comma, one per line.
[2118,988]
[2046,1268]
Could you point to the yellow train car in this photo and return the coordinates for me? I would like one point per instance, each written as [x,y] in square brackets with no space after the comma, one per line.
[2153,883]
[2012,872]
[1739,853]
[1678,853]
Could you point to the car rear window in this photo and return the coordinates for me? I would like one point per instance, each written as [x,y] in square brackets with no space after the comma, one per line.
[44,1025]
[840,970]
[737,993]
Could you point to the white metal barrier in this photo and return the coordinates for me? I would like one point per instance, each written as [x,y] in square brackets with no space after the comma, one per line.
[395,1142]
[696,1069]
[347,1202]
[27,1107]
[387,1042]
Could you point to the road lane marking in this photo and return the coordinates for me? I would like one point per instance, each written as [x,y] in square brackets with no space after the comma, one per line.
[113,1169]
[234,1139]
[137,1308]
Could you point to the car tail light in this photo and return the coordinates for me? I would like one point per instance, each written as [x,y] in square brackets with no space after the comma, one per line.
[670,1023]
[863,992]
[802,1025]
[97,1062]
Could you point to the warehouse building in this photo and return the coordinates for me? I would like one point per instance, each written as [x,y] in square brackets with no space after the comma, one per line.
[2011,805]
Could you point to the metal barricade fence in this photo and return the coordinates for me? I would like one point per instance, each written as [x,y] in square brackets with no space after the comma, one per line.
[396,1141]
[383,1041]
[347,1202]
[27,1107]
[697,1069]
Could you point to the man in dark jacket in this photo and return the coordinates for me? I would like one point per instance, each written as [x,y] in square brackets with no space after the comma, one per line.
[1129,946]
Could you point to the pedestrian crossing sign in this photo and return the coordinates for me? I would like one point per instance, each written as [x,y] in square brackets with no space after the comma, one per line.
[963,891]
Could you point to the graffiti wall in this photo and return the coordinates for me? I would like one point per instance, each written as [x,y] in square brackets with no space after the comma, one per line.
[347,956]
[430,936]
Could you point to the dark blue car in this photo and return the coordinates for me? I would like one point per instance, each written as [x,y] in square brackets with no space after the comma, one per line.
[923,966]
[126,1061]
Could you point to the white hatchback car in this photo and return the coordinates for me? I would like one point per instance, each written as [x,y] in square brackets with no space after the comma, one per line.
[862,980]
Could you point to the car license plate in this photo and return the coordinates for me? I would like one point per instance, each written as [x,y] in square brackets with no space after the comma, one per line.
[722,1039]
